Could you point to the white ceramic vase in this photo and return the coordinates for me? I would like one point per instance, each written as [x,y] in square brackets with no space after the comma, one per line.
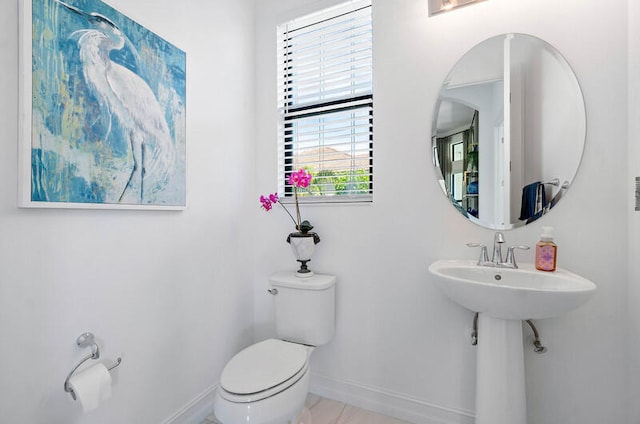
[303,245]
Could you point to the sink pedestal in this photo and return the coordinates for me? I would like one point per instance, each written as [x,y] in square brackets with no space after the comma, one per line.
[500,388]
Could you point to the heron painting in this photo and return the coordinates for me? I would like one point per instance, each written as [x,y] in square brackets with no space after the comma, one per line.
[108,109]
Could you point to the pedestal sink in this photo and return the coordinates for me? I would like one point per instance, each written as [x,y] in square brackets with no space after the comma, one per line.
[504,297]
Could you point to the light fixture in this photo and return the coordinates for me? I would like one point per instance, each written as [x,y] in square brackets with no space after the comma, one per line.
[440,6]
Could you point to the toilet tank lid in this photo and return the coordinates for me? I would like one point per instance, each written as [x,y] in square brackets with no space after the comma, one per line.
[262,366]
[315,282]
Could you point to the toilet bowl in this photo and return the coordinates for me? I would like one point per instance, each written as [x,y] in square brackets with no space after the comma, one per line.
[268,382]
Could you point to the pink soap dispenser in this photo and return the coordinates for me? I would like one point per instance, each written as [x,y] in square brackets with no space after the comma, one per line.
[546,251]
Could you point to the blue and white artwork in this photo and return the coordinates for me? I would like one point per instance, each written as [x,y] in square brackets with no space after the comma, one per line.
[107,111]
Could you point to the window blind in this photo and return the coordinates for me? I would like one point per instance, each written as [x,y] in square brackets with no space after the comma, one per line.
[325,102]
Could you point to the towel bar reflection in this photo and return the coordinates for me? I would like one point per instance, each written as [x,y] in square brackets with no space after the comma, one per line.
[556,182]
[86,340]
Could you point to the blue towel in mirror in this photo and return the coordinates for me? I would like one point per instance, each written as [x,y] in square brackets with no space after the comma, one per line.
[534,201]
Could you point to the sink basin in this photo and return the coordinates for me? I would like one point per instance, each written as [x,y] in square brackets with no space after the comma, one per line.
[516,294]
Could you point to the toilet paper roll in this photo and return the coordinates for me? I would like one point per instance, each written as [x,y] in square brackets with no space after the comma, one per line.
[92,386]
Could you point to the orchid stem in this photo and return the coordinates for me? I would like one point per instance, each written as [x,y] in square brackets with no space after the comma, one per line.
[288,213]
[295,194]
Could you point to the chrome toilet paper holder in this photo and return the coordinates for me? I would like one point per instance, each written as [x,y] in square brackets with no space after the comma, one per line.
[86,340]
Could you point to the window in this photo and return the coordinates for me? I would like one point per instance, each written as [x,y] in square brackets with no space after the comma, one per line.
[325,102]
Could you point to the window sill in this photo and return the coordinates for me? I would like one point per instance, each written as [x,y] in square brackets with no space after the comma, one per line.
[311,200]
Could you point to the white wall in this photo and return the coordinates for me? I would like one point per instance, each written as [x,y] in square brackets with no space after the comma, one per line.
[398,338]
[170,291]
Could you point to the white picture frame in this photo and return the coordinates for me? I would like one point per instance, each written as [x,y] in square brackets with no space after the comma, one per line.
[98,135]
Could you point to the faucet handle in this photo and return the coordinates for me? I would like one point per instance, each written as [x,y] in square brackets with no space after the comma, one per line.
[511,257]
[484,256]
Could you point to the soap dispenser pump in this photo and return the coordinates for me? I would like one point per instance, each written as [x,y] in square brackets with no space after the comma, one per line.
[546,251]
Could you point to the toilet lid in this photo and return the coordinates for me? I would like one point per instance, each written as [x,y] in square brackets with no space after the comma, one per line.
[262,366]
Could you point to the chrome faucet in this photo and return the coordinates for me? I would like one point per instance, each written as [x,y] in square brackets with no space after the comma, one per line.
[496,257]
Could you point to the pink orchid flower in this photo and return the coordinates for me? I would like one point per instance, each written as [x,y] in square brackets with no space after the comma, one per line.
[266,203]
[299,179]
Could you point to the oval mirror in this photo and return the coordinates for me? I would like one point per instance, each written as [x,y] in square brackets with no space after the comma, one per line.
[508,131]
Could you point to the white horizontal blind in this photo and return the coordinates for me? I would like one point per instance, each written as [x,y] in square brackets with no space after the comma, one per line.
[325,102]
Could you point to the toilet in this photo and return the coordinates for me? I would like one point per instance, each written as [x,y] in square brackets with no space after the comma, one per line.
[268,382]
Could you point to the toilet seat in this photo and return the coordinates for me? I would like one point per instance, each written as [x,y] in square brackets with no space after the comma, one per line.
[263,370]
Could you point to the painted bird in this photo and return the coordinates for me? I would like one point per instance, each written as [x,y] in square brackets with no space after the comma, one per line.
[129,98]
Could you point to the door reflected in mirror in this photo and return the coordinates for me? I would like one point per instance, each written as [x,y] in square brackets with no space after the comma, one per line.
[504,167]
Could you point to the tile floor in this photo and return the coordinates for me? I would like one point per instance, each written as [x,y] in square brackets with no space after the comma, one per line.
[327,411]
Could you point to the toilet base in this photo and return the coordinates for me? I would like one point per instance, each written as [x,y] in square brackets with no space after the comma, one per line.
[303,418]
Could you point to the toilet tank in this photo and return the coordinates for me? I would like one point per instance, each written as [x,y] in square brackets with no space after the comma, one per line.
[305,307]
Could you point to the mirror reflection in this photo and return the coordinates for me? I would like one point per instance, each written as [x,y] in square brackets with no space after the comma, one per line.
[508,131]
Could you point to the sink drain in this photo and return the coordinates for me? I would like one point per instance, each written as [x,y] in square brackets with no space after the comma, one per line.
[497,277]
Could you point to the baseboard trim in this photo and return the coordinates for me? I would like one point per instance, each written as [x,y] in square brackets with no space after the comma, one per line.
[196,410]
[386,402]
[382,401]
